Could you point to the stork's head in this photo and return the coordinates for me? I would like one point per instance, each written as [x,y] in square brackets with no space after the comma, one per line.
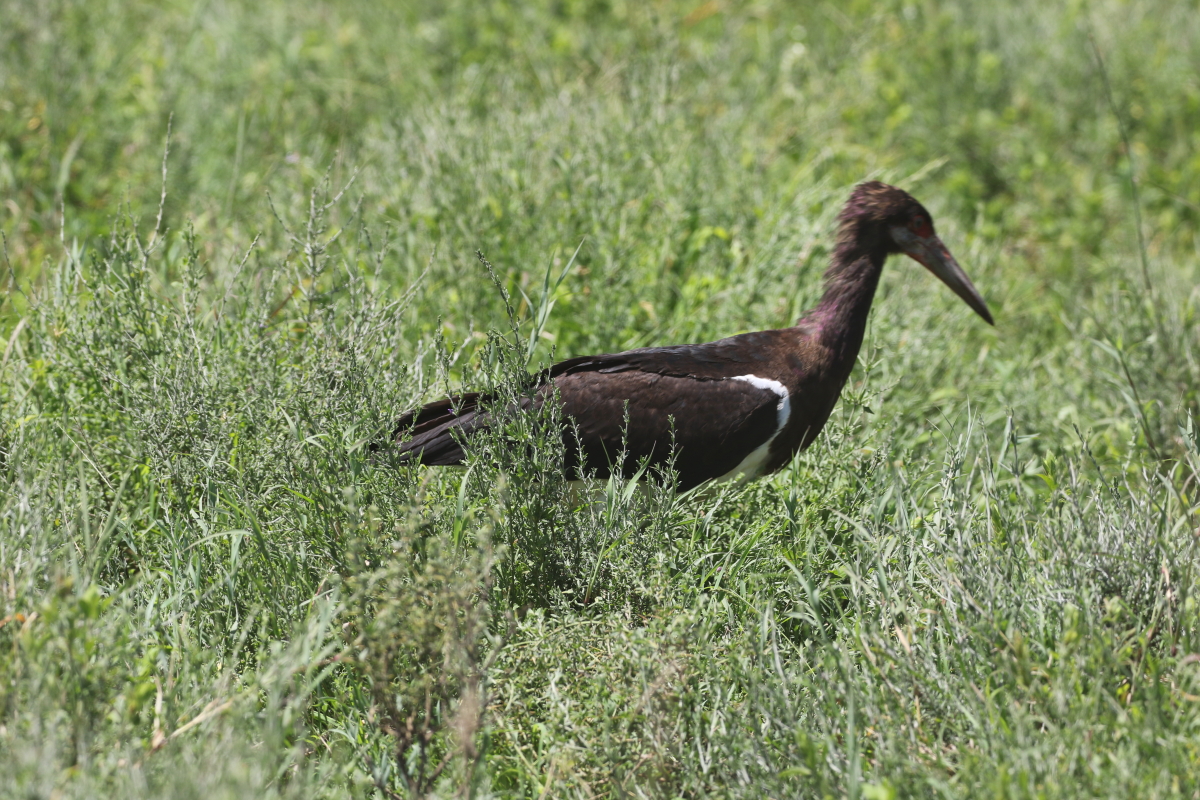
[878,216]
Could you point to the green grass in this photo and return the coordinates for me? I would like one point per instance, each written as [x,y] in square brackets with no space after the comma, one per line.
[981,581]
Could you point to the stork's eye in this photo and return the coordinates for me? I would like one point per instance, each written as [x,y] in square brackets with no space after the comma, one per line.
[920,226]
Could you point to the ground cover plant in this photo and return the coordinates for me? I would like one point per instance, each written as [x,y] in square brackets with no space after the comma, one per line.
[241,239]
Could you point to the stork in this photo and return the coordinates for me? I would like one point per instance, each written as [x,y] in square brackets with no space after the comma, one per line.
[737,408]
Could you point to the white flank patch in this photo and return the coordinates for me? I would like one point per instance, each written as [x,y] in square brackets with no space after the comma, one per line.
[753,465]
[784,409]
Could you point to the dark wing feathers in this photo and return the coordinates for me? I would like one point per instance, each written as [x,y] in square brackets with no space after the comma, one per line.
[680,394]
[709,361]
[712,425]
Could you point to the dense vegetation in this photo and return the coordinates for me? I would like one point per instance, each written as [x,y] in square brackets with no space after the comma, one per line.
[980,581]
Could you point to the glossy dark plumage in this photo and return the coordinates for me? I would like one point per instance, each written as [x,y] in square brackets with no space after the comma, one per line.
[739,406]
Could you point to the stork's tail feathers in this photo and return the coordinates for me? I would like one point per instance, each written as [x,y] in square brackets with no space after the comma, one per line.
[436,430]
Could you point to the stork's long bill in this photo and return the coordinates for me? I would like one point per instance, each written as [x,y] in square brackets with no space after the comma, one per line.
[929,251]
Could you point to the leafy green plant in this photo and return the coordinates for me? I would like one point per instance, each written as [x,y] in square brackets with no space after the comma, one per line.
[417,629]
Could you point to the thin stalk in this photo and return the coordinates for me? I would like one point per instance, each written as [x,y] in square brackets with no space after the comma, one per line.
[1133,183]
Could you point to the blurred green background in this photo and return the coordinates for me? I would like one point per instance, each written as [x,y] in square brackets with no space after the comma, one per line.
[698,151]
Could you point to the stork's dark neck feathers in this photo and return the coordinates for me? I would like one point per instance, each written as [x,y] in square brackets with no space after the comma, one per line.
[840,318]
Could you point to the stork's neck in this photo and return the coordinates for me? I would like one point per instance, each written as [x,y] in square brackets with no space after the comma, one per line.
[840,319]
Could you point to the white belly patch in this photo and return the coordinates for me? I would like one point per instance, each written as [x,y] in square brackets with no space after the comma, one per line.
[753,465]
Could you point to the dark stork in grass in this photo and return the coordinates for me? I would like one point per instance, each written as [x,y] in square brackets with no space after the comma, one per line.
[738,407]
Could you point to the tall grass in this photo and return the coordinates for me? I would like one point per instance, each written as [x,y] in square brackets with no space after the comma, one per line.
[213,582]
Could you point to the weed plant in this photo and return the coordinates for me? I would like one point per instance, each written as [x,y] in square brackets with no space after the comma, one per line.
[217,581]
